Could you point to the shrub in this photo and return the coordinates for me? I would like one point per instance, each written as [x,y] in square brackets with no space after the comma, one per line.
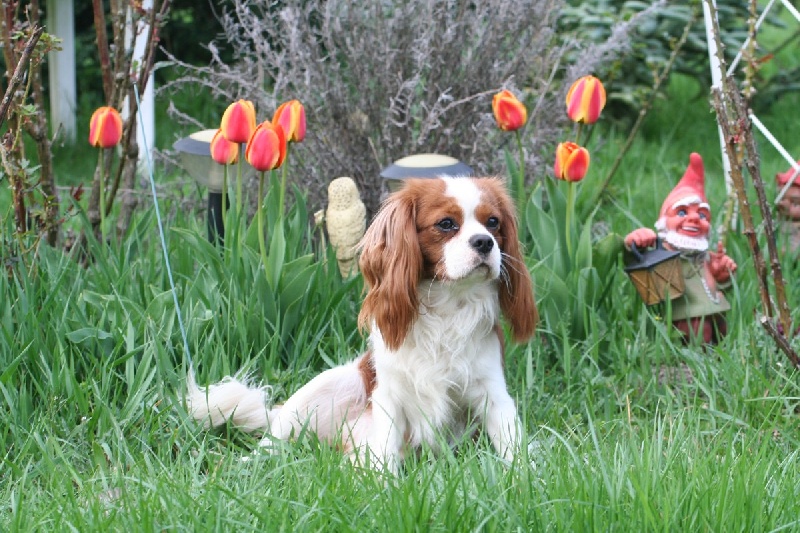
[382,80]
[630,77]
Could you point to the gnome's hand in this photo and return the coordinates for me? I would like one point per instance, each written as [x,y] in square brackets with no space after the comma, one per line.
[720,266]
[642,238]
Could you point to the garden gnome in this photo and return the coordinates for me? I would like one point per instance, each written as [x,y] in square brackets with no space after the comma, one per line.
[683,225]
[346,221]
[789,208]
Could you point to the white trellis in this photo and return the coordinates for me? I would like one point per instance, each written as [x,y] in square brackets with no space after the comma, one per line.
[61,65]
[716,81]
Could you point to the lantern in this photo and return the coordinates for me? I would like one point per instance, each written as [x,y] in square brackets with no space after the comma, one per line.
[656,274]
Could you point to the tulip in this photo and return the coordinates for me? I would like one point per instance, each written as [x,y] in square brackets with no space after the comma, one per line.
[572,162]
[291,116]
[239,121]
[266,148]
[509,112]
[225,153]
[105,128]
[586,98]
[237,125]
[222,150]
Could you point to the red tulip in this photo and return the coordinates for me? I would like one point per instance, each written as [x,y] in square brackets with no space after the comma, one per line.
[105,127]
[239,121]
[222,150]
[572,161]
[291,116]
[586,98]
[266,149]
[509,112]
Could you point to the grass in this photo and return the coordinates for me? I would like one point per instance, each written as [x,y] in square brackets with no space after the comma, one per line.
[93,436]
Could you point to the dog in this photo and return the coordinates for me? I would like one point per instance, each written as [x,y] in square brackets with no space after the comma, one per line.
[441,263]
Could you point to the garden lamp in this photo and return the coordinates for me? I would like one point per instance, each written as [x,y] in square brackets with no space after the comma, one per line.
[656,274]
[422,166]
[195,158]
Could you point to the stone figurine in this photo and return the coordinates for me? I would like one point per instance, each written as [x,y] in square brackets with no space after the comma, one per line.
[346,221]
[684,224]
[789,209]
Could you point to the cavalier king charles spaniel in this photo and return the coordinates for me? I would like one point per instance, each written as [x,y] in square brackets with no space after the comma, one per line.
[441,262]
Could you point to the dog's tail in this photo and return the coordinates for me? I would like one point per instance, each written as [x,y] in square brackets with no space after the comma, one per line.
[232,399]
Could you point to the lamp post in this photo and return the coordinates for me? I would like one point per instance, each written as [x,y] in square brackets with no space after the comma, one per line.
[195,157]
[423,166]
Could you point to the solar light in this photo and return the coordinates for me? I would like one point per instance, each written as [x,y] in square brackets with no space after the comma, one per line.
[422,166]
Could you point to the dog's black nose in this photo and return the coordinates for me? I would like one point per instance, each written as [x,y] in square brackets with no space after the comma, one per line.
[482,244]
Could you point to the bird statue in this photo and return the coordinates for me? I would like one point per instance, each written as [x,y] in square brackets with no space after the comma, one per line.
[346,221]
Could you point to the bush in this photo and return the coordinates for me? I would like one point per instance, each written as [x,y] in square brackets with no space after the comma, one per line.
[382,80]
[630,77]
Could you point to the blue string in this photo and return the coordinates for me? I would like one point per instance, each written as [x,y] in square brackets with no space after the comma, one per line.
[161,228]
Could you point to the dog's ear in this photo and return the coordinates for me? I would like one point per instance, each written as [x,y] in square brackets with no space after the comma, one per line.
[516,287]
[391,262]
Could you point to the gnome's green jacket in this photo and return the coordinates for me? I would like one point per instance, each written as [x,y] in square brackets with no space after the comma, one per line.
[698,298]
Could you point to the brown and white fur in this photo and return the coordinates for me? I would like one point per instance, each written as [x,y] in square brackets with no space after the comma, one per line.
[441,262]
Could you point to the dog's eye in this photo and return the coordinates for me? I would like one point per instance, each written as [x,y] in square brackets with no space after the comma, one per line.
[447,224]
[492,223]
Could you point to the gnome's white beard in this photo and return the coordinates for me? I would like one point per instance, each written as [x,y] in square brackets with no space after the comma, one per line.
[684,243]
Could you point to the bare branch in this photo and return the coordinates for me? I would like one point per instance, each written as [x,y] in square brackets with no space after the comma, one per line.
[19,72]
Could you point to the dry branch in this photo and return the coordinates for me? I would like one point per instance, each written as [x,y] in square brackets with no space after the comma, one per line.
[734,121]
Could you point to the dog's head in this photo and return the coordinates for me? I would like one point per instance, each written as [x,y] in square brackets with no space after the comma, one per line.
[458,230]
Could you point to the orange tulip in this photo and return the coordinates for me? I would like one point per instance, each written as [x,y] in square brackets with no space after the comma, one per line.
[105,127]
[239,121]
[586,98]
[572,162]
[291,116]
[222,150]
[509,112]
[266,149]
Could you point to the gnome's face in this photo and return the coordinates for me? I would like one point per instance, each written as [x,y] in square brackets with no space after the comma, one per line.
[685,225]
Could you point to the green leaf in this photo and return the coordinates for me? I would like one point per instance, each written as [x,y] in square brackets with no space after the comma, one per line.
[606,252]
[277,254]
[90,338]
[583,250]
[297,280]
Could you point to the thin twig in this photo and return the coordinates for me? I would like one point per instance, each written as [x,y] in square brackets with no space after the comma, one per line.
[19,72]
[102,48]
[644,110]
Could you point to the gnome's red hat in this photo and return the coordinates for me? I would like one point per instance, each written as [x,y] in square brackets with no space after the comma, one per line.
[692,185]
[783,177]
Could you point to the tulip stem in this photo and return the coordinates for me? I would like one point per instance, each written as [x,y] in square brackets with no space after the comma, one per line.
[262,244]
[102,165]
[224,196]
[520,176]
[239,200]
[570,209]
[283,182]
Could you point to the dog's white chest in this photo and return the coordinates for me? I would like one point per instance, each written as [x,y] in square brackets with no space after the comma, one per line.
[438,375]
